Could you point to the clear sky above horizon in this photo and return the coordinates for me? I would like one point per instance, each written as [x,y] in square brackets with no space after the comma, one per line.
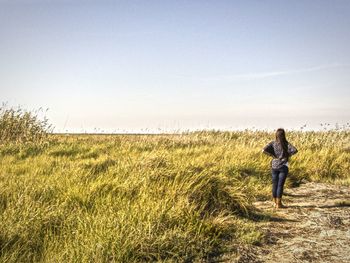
[141,66]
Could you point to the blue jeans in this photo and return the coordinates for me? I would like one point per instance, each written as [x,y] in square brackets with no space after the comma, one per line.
[278,179]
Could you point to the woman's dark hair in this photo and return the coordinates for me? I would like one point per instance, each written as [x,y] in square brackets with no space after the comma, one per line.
[281,139]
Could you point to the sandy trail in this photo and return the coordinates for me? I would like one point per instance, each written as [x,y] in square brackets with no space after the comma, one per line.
[314,228]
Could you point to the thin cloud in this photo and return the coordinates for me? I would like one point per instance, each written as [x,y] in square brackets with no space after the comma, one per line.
[286,72]
[262,75]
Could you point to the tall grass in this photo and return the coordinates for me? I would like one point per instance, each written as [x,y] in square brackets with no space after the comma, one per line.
[18,125]
[142,198]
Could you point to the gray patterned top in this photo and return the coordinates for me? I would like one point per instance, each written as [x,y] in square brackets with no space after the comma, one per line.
[275,150]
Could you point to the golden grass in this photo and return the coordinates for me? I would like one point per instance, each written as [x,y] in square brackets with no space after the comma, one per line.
[22,126]
[132,198]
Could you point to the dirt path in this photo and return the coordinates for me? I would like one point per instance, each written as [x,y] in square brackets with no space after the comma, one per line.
[314,228]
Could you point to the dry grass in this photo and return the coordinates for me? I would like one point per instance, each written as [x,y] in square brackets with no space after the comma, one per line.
[22,126]
[145,198]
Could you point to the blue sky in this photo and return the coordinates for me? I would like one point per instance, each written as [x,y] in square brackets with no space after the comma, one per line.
[176,65]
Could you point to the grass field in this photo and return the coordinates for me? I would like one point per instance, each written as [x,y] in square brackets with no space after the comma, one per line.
[125,198]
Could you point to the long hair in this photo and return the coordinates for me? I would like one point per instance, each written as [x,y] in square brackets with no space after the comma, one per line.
[281,139]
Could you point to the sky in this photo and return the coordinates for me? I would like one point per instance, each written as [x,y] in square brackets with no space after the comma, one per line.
[163,66]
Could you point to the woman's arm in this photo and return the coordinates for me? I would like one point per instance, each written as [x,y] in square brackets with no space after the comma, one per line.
[291,149]
[268,149]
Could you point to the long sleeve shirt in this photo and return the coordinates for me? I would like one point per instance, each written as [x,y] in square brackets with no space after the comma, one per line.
[275,150]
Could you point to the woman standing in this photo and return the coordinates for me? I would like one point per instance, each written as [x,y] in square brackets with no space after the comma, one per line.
[280,150]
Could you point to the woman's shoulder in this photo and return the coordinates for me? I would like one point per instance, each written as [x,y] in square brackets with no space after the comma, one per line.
[273,144]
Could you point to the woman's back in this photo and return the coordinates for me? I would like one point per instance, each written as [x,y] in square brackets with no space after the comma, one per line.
[279,158]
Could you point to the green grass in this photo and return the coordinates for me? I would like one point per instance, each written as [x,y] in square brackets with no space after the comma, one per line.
[132,198]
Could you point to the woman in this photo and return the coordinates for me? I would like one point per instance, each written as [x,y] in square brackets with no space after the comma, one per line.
[280,150]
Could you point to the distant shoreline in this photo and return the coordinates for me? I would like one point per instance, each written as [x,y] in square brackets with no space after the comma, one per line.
[187,132]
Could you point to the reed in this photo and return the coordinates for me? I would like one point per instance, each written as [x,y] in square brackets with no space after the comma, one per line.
[18,125]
